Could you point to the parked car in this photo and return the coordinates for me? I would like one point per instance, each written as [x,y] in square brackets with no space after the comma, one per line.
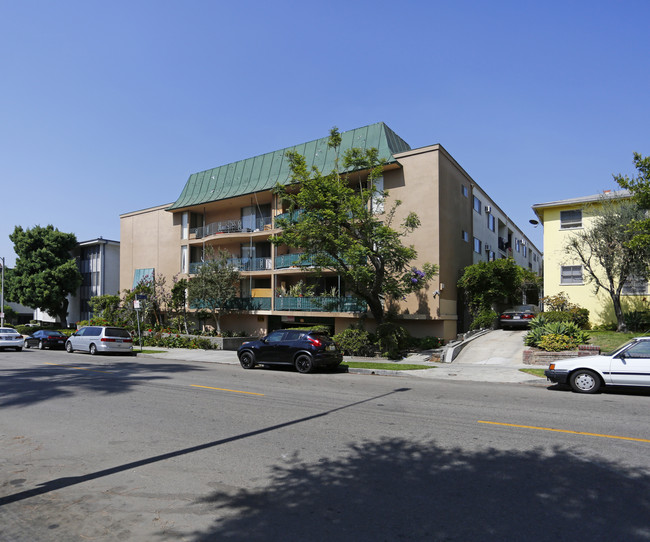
[10,338]
[44,338]
[100,339]
[305,350]
[518,316]
[627,366]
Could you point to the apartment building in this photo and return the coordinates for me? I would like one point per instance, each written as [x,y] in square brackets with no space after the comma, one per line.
[561,219]
[233,208]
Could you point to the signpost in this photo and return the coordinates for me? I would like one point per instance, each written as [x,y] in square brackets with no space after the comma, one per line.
[136,306]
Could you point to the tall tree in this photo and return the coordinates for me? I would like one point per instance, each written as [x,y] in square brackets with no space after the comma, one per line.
[45,272]
[490,283]
[341,226]
[215,285]
[639,186]
[604,250]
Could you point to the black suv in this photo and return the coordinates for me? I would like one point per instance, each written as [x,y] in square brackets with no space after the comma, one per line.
[303,349]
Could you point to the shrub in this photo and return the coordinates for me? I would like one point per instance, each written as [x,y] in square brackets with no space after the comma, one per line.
[637,320]
[355,342]
[540,328]
[426,343]
[393,339]
[554,342]
[484,319]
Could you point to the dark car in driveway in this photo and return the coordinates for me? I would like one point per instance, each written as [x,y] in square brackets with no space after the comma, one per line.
[44,338]
[303,349]
[518,316]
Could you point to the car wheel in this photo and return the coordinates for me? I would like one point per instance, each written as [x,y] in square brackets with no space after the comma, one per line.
[26,345]
[304,363]
[92,349]
[41,346]
[68,347]
[585,381]
[247,360]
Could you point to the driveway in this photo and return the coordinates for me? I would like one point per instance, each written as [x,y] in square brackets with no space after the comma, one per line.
[497,347]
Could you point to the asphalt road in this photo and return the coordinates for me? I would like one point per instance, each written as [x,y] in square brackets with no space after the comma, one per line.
[116,448]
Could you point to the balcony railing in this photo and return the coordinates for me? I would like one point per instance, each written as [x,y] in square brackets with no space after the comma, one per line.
[320,304]
[309,304]
[232,226]
[289,216]
[291,260]
[241,264]
[241,303]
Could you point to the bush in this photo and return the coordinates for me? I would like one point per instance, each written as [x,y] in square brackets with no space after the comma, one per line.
[393,339]
[426,343]
[484,319]
[355,342]
[540,328]
[554,342]
[577,315]
[637,320]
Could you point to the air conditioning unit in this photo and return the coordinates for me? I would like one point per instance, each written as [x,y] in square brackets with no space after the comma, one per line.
[488,208]
[487,247]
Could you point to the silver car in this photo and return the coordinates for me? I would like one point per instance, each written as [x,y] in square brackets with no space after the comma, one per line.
[10,338]
[100,339]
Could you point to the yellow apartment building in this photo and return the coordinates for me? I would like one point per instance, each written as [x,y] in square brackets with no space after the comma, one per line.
[561,219]
[233,207]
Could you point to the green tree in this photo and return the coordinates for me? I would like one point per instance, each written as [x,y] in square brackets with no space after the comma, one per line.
[215,285]
[486,284]
[607,253]
[340,226]
[639,187]
[45,272]
[107,307]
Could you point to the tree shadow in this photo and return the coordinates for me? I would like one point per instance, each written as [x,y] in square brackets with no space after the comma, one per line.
[395,489]
[22,387]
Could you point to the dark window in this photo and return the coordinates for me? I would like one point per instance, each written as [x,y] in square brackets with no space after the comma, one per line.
[571,219]
[571,274]
[635,286]
[477,205]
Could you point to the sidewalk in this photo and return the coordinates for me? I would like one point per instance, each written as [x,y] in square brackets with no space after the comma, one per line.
[489,369]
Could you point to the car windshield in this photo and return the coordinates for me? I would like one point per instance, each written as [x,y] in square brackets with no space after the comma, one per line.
[523,308]
[54,334]
[7,330]
[624,347]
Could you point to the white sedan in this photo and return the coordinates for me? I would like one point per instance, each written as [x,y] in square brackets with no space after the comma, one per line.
[627,366]
[10,338]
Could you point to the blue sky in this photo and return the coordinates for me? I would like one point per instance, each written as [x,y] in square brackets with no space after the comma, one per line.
[108,107]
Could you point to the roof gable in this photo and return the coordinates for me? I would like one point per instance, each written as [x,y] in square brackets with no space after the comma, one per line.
[263,172]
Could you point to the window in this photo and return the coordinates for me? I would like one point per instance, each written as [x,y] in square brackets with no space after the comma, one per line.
[477,245]
[635,286]
[464,191]
[518,245]
[477,205]
[378,198]
[491,256]
[465,236]
[491,221]
[571,274]
[525,251]
[571,219]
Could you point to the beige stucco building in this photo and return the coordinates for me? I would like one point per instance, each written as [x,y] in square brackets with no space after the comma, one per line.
[232,207]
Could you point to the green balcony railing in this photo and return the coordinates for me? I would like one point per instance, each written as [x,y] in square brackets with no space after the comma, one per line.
[320,304]
[291,260]
[242,303]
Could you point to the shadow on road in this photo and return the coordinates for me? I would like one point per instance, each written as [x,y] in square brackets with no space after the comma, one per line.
[22,387]
[395,489]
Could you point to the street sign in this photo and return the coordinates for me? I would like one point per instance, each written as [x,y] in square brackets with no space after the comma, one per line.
[141,296]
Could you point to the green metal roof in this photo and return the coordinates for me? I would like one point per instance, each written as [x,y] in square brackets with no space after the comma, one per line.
[265,171]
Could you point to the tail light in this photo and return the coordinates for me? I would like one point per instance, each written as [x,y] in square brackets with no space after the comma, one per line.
[551,367]
[105,340]
[506,316]
[316,342]
[529,316]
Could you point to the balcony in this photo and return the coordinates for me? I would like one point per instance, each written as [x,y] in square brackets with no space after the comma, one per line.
[291,260]
[293,217]
[232,226]
[320,304]
[242,303]
[241,264]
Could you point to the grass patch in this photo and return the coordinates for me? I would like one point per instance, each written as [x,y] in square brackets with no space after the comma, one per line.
[386,366]
[610,340]
[145,351]
[534,372]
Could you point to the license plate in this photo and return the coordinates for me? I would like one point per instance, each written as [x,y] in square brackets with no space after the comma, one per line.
[516,317]
[331,347]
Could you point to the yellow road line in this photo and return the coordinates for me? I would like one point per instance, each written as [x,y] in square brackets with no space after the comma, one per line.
[566,431]
[224,389]
[79,368]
